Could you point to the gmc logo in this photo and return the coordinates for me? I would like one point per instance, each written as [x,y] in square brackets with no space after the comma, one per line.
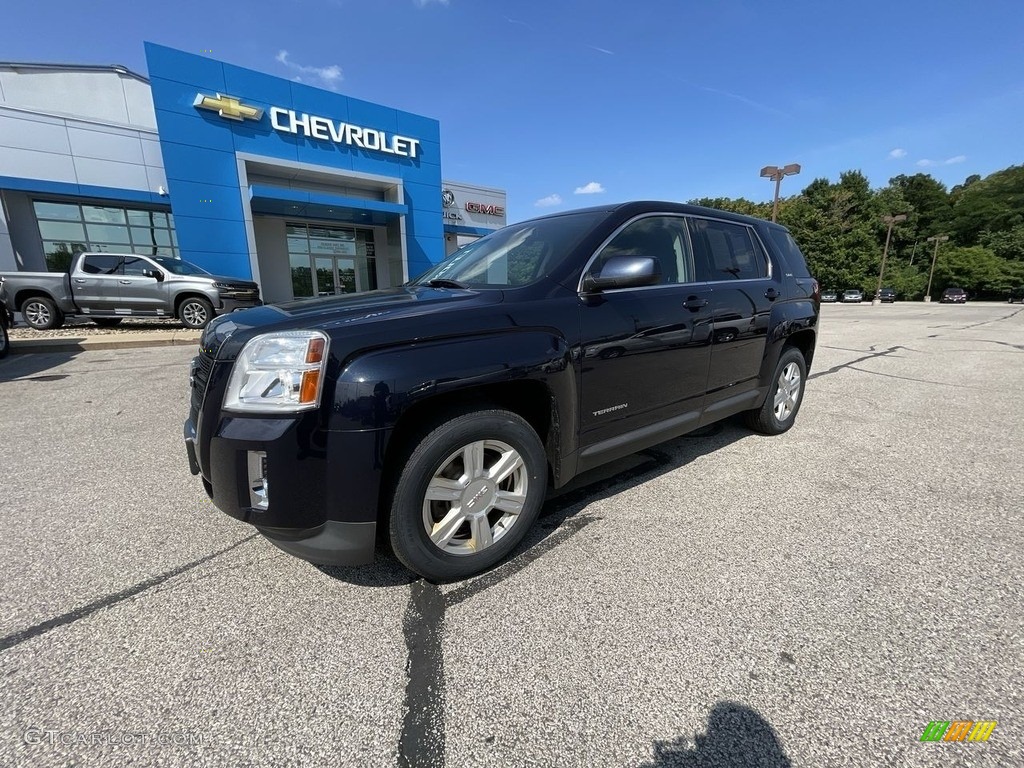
[491,210]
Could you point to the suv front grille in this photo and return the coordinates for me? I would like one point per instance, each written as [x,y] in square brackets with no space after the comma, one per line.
[202,365]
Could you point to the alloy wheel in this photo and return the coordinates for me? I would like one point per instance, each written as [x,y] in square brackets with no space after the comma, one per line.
[475,497]
[787,393]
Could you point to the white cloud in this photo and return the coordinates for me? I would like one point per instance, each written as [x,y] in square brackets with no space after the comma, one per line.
[897,153]
[593,188]
[602,50]
[948,161]
[550,200]
[425,3]
[329,76]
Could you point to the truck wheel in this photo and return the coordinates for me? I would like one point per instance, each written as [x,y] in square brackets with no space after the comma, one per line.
[107,322]
[5,341]
[195,312]
[467,494]
[41,313]
[784,395]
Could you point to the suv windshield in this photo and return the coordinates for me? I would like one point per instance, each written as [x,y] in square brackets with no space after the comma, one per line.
[517,255]
[178,267]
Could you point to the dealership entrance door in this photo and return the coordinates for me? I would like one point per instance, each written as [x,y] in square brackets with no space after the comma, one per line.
[329,260]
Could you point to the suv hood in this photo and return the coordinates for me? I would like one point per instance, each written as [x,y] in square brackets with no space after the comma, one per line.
[359,315]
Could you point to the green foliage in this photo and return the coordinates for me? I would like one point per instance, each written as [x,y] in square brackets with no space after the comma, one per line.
[1008,244]
[994,204]
[975,269]
[840,228]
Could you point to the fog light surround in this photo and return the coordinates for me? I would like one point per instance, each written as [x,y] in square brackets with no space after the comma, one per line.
[259,489]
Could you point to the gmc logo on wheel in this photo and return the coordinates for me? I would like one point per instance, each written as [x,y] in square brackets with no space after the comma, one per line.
[491,210]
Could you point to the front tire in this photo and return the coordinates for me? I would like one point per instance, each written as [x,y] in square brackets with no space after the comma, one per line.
[785,395]
[5,340]
[41,313]
[195,313]
[467,494]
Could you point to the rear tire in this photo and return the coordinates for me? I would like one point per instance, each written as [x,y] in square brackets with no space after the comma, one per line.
[785,395]
[467,494]
[5,340]
[107,322]
[41,313]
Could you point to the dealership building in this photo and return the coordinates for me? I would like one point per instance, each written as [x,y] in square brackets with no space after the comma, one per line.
[304,190]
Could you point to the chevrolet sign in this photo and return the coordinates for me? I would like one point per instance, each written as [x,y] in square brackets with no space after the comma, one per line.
[228,107]
[313,126]
[287,121]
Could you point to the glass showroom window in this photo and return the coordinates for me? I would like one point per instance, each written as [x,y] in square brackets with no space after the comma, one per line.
[70,228]
[329,260]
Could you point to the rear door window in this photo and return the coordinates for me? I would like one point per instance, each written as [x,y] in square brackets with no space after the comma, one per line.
[100,264]
[728,251]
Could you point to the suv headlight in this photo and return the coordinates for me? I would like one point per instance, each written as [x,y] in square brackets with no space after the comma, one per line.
[278,373]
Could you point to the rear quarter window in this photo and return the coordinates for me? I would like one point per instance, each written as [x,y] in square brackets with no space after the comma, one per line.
[795,261]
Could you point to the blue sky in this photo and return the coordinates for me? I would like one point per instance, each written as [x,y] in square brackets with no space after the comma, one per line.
[567,104]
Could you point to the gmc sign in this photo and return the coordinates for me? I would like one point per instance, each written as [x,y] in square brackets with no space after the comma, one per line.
[490,210]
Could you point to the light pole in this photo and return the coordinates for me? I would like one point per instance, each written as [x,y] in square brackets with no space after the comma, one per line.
[776,173]
[891,221]
[935,256]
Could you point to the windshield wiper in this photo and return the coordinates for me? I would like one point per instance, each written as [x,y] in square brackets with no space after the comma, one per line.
[443,282]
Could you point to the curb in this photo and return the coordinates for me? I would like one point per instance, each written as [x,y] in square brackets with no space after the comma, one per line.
[86,344]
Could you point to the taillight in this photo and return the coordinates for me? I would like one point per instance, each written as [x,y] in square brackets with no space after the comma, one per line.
[815,290]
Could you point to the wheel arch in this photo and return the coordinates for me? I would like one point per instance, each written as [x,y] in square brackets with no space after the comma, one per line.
[184,296]
[25,294]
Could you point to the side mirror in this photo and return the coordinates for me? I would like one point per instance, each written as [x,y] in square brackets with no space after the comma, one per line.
[624,272]
[154,273]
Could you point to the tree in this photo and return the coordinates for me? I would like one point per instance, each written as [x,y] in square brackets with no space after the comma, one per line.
[928,199]
[977,270]
[994,204]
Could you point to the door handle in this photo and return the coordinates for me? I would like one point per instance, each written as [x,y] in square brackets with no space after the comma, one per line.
[771,294]
[125,282]
[79,280]
[693,303]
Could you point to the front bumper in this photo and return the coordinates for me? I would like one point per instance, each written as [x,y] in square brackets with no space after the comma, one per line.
[325,516]
[227,304]
[333,543]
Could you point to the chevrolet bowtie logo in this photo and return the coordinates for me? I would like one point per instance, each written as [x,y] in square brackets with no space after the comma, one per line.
[228,106]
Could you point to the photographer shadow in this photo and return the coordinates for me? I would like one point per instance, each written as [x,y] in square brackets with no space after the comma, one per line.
[736,737]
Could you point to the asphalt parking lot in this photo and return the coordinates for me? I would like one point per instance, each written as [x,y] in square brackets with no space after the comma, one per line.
[813,599]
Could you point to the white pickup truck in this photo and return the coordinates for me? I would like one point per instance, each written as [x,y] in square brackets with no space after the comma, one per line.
[107,287]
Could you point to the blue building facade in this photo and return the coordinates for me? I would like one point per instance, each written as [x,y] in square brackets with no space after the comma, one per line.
[307,191]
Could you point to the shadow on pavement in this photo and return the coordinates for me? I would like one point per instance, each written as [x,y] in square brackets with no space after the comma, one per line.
[736,737]
[560,517]
[22,365]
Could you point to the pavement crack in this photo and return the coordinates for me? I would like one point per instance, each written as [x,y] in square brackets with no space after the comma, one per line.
[422,742]
[106,602]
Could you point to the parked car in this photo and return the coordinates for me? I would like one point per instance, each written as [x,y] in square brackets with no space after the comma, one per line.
[439,411]
[954,296]
[829,297]
[1016,294]
[853,295]
[887,295]
[107,287]
[6,320]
